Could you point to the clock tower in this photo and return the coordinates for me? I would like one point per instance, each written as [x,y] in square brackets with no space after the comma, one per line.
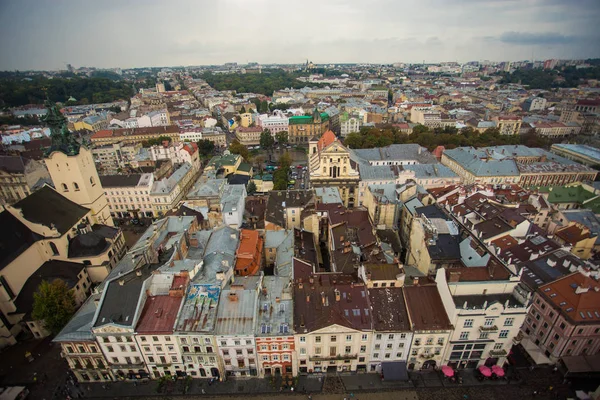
[72,168]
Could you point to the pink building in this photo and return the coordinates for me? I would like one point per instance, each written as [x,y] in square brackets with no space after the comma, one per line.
[564,319]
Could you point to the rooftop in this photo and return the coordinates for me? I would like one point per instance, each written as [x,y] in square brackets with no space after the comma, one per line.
[389,309]
[580,149]
[426,309]
[237,307]
[576,296]
[48,207]
[159,314]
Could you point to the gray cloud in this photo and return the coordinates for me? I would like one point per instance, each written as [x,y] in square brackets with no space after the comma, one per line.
[47,34]
[530,38]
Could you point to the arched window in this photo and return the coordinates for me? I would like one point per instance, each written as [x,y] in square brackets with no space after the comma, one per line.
[65,188]
[76,186]
[92,181]
[54,249]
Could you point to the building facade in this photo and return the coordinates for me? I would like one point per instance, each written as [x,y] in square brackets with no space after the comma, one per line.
[302,128]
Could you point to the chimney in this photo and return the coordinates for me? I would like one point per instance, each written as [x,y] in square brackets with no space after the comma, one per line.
[311,279]
[322,298]
[233,296]
[308,298]
[302,320]
[121,282]
[138,272]
[337,295]
[581,289]
[300,285]
[416,281]
[454,277]
[277,299]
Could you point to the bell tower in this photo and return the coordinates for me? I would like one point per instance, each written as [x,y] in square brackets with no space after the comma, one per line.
[72,168]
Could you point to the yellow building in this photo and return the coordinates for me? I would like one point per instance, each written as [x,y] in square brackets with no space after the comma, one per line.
[302,128]
[508,124]
[578,237]
[329,166]
[245,120]
[93,123]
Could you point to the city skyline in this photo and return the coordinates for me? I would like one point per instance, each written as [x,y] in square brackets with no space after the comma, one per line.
[90,34]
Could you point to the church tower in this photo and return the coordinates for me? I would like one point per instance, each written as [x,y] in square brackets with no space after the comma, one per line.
[72,168]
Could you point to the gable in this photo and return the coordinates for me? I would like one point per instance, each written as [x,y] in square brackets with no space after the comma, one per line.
[334,328]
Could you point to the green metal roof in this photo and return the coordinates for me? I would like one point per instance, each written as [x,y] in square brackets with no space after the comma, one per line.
[306,119]
[566,194]
[244,167]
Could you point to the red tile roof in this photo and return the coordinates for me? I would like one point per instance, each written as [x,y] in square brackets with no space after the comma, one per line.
[249,253]
[577,297]
[327,138]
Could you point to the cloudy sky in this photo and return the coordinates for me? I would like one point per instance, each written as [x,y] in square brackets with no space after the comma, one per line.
[48,34]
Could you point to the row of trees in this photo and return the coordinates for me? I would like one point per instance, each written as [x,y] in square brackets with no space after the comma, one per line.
[156,141]
[265,83]
[32,90]
[565,77]
[449,137]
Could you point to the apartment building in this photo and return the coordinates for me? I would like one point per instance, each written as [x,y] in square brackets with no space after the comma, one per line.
[275,345]
[129,195]
[302,128]
[556,130]
[486,310]
[564,319]
[430,326]
[508,124]
[275,123]
[348,124]
[249,136]
[392,336]
[167,192]
[178,153]
[154,330]
[332,322]
[111,159]
[19,177]
[134,135]
[236,318]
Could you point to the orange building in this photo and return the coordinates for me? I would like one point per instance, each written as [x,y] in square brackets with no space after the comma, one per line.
[249,253]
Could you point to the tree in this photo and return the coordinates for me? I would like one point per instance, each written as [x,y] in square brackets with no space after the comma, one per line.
[237,148]
[285,161]
[258,161]
[282,138]
[390,96]
[251,188]
[243,110]
[156,141]
[54,304]
[354,140]
[205,147]
[266,140]
[420,129]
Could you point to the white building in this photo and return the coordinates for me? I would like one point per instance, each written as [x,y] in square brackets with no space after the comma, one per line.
[159,118]
[233,204]
[178,153]
[236,316]
[486,315]
[129,195]
[392,336]
[167,192]
[275,123]
[349,126]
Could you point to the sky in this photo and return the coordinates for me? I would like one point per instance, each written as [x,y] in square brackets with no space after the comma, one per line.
[48,34]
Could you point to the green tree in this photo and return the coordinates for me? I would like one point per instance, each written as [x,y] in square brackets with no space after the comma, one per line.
[251,188]
[205,147]
[243,110]
[237,148]
[354,140]
[390,96]
[420,129]
[282,138]
[156,141]
[54,304]
[285,161]
[266,140]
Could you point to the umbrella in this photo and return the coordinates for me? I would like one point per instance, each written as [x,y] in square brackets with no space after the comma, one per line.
[448,371]
[485,371]
[498,371]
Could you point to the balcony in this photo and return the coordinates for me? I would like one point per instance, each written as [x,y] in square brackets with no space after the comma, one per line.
[498,353]
[336,357]
[492,328]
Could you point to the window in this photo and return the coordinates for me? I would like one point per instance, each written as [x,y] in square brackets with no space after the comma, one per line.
[400,345]
[580,331]
[503,334]
[468,323]
[378,336]
[509,321]
[498,346]
[109,349]
[302,339]
[391,336]
[155,338]
[92,181]
[363,349]
[317,339]
[387,355]
[76,186]
[333,338]
[348,349]
[364,337]
[54,249]
[64,186]
[377,346]
[348,338]
[302,350]
[376,355]
[488,322]
[464,336]
[483,335]
[389,346]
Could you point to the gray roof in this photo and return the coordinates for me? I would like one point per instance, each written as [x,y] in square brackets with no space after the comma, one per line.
[424,171]
[274,308]
[206,188]
[79,326]
[166,185]
[471,160]
[394,152]
[110,181]
[285,256]
[328,195]
[584,150]
[274,238]
[231,198]
[236,312]
[585,217]
[380,172]
[385,193]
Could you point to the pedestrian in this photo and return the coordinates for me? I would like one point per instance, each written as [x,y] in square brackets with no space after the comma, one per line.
[292,389]
[555,368]
[203,391]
